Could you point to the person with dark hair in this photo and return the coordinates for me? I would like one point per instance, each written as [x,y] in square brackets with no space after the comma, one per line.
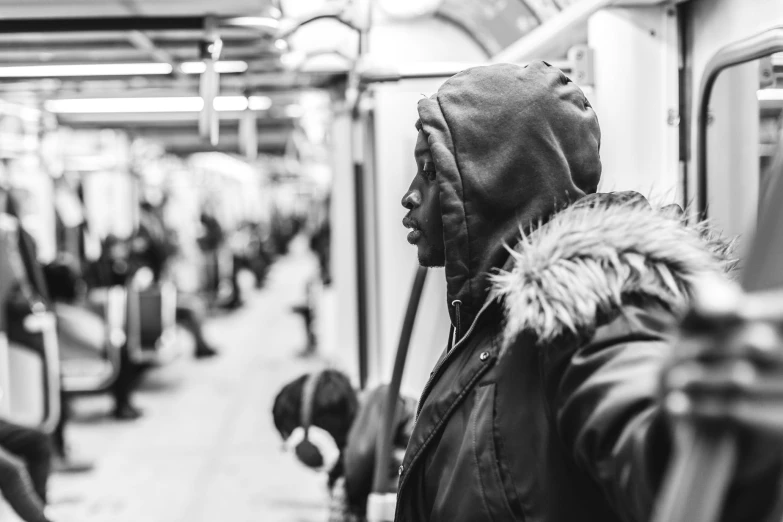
[331,428]
[552,401]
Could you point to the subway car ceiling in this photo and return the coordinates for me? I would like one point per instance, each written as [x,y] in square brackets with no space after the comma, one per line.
[142,65]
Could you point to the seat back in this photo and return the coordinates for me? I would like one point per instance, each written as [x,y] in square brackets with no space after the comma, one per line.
[151,323]
[98,372]
[34,368]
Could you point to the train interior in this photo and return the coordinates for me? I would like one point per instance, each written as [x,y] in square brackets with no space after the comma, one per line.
[270,142]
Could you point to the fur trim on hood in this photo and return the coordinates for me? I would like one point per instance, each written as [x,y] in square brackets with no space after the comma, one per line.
[598,255]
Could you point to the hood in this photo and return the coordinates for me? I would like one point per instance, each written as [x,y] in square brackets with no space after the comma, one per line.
[605,251]
[510,144]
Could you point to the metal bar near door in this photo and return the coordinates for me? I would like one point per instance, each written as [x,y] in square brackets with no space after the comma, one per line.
[744,51]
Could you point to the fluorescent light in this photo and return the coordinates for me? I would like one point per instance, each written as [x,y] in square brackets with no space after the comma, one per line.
[770,94]
[230,103]
[96,69]
[226,67]
[253,21]
[164,104]
[119,105]
[259,103]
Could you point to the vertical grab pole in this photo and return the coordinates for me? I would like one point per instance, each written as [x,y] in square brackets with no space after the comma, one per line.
[384,442]
[361,246]
[362,22]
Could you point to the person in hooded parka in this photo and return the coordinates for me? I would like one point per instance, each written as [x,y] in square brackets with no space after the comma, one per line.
[545,404]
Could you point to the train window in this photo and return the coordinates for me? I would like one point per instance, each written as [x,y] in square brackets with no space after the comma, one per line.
[770,97]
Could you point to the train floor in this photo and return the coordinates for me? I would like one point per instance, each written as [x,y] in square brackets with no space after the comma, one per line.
[205,449]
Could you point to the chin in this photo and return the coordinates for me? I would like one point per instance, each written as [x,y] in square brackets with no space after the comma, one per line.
[430,259]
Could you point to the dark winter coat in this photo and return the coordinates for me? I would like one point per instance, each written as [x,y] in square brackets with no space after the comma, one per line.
[545,407]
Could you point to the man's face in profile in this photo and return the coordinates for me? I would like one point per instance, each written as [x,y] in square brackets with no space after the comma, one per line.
[423,203]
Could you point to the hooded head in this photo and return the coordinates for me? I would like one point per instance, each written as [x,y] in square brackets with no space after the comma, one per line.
[500,148]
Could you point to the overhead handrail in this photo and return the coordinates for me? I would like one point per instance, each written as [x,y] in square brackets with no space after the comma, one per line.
[375,74]
[383,445]
[536,42]
[743,51]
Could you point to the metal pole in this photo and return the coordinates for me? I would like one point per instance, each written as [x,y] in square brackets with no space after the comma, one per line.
[744,51]
[384,443]
[536,42]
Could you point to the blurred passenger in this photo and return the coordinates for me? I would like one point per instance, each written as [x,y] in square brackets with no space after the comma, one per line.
[546,405]
[156,246]
[29,293]
[210,241]
[333,428]
[82,332]
[25,453]
[25,465]
[152,247]
[320,242]
[307,311]
[253,254]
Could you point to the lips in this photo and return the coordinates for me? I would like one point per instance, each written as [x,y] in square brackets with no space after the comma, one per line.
[415,234]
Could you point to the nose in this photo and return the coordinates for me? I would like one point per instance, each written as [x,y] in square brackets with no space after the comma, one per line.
[411,199]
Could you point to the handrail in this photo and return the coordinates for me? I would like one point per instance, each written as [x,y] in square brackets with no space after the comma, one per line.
[384,443]
[372,74]
[701,470]
[536,41]
[743,51]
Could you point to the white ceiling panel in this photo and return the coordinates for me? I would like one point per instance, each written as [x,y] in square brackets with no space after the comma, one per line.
[90,8]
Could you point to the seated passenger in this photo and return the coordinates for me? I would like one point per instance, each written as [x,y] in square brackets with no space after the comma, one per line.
[25,464]
[82,333]
[331,428]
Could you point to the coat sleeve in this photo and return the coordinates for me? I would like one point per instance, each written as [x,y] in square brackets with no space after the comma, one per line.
[602,397]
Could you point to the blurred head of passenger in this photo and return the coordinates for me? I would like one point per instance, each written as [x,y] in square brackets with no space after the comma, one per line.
[63,279]
[333,404]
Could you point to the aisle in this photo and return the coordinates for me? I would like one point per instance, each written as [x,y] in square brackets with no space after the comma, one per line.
[206,449]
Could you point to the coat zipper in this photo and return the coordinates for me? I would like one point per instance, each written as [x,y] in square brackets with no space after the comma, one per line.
[456,304]
[443,361]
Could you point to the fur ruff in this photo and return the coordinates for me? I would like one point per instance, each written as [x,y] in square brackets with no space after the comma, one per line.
[593,259]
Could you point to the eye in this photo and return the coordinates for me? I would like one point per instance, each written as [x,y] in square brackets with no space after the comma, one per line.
[429,170]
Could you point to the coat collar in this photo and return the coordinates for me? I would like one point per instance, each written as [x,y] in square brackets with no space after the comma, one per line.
[599,254]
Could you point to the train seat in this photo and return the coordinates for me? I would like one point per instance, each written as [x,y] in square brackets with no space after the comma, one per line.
[91,339]
[33,388]
[151,323]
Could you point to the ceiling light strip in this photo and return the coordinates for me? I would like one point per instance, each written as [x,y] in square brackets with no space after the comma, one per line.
[155,105]
[95,69]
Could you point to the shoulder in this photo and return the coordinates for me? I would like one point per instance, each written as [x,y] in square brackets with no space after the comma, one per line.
[603,265]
